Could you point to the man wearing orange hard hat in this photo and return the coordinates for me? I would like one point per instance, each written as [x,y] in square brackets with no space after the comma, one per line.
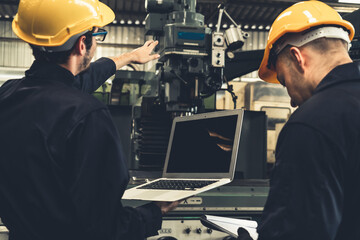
[313,188]
[62,167]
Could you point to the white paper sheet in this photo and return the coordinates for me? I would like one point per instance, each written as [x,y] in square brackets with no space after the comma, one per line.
[231,225]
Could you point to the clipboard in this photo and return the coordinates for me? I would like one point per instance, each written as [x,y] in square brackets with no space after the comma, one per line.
[230,225]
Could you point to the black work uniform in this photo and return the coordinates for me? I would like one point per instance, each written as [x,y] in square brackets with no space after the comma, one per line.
[62,170]
[314,189]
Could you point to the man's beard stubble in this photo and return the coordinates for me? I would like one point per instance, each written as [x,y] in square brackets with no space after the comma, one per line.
[86,61]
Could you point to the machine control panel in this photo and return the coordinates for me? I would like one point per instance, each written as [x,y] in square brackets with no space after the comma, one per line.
[178,229]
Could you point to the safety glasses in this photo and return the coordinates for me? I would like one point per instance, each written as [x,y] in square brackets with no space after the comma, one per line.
[100,35]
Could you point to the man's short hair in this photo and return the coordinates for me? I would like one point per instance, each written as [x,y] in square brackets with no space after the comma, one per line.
[63,56]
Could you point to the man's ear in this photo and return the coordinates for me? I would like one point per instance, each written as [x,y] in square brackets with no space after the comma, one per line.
[298,58]
[80,46]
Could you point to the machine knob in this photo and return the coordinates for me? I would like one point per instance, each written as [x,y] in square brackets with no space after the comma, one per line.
[218,62]
[193,62]
[187,230]
[229,238]
[209,230]
[219,41]
[166,238]
[218,55]
[198,230]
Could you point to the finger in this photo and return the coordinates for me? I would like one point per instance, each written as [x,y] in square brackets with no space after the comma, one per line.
[147,43]
[155,56]
[153,44]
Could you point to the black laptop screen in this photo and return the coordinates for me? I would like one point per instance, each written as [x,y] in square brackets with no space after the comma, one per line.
[203,145]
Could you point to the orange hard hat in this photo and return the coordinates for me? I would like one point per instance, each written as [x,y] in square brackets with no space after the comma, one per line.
[295,19]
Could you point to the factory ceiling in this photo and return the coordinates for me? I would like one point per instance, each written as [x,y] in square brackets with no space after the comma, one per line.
[250,14]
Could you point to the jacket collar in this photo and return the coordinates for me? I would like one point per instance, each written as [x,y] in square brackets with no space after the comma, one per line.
[340,74]
[49,71]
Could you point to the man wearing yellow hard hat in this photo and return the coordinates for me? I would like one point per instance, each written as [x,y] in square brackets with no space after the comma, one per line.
[314,191]
[62,169]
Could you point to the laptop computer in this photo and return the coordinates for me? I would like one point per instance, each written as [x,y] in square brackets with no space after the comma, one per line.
[201,155]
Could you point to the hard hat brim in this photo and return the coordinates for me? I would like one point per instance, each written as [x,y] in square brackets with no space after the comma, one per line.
[107,13]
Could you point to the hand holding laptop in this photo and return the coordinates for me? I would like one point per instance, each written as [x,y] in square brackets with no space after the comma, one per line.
[167,206]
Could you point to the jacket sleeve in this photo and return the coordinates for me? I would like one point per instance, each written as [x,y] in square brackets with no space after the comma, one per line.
[306,189]
[93,77]
[99,177]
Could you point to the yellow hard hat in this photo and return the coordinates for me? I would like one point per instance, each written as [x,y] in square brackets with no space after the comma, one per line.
[298,18]
[51,23]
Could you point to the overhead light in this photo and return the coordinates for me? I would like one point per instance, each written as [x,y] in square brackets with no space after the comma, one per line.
[211,25]
[137,22]
[114,22]
[225,25]
[345,9]
[253,27]
[129,22]
[350,1]
[143,22]
[267,27]
[122,21]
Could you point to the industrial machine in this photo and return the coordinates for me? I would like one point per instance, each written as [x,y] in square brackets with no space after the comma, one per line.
[354,18]
[192,57]
[243,199]
[195,62]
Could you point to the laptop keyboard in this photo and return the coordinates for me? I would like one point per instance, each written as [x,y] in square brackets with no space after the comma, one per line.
[177,184]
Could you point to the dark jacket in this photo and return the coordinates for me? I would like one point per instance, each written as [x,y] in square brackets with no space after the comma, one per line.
[314,191]
[62,170]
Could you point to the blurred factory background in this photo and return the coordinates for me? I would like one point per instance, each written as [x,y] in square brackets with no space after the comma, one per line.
[128,32]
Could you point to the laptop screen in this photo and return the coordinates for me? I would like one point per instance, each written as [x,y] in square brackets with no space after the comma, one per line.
[205,144]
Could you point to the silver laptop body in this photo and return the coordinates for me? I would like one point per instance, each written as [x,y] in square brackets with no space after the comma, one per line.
[202,147]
